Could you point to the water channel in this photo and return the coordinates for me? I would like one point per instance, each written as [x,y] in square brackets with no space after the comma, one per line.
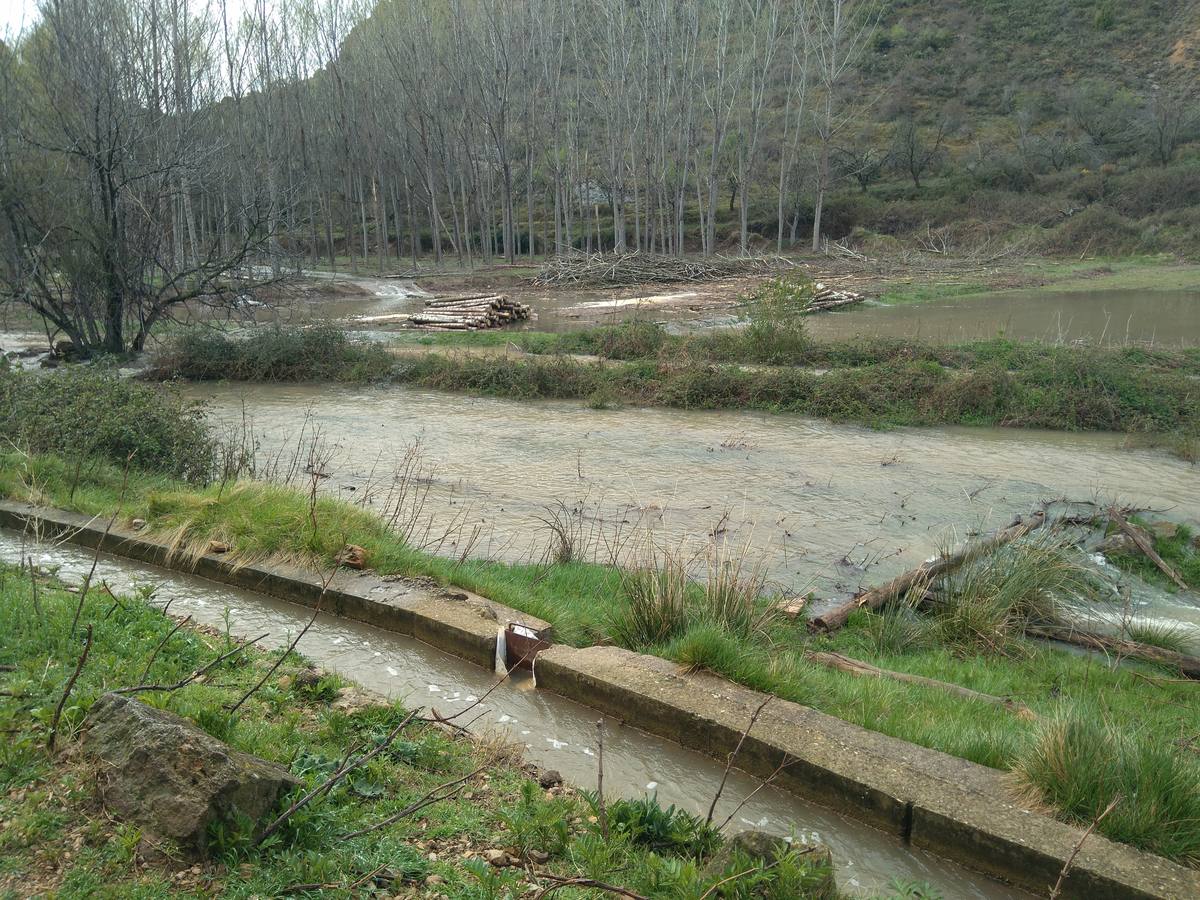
[554,732]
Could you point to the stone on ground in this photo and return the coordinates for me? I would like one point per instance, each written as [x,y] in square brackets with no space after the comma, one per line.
[164,774]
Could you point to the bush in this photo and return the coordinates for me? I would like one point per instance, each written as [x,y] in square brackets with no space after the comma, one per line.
[776,333]
[1097,230]
[87,412]
[322,352]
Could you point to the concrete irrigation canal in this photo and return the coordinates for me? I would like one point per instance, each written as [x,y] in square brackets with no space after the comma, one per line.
[925,806]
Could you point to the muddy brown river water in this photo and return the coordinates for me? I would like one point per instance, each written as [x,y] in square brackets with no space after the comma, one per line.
[554,732]
[1112,317]
[823,507]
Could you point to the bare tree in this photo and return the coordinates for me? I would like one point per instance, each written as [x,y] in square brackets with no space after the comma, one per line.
[839,31]
[916,150]
[111,106]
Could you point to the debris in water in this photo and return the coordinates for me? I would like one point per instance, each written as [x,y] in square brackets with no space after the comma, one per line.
[556,744]
[434,689]
[651,785]
[392,672]
[505,719]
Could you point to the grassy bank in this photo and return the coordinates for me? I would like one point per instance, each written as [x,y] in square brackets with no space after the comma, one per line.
[58,840]
[1145,720]
[764,367]
[1058,391]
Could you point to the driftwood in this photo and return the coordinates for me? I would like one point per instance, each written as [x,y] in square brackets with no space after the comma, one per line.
[941,565]
[863,669]
[1146,547]
[649,268]
[1187,665]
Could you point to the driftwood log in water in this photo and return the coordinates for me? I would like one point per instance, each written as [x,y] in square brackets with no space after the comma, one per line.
[864,669]
[1143,544]
[1189,666]
[927,571]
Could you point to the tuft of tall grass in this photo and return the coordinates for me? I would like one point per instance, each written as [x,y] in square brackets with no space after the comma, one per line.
[1165,635]
[663,600]
[735,593]
[986,604]
[655,592]
[1079,763]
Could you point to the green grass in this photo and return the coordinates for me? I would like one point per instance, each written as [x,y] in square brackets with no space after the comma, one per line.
[1059,391]
[587,602]
[924,293]
[57,837]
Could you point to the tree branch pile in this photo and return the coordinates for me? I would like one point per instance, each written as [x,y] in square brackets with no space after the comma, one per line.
[601,269]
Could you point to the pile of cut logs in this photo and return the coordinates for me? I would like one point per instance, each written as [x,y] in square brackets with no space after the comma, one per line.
[826,298]
[457,314]
[470,313]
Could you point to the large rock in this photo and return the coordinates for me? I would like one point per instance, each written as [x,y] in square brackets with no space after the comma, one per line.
[766,847]
[164,774]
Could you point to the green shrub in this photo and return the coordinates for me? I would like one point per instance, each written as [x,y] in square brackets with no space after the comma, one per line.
[776,333]
[1099,231]
[322,352]
[88,412]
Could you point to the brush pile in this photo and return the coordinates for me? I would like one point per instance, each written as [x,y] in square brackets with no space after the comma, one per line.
[457,314]
[600,269]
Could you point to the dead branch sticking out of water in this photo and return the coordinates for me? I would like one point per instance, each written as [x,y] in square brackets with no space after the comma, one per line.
[1146,547]
[732,756]
[926,572]
[863,669]
[649,268]
[1187,665]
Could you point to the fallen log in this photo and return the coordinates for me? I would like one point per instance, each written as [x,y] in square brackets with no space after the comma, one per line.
[1146,547]
[863,669]
[927,571]
[1187,665]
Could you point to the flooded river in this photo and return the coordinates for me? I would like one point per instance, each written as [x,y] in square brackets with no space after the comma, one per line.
[824,507]
[1114,317]
[554,732]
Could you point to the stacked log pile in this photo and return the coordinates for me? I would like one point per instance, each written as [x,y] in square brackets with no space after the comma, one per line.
[599,269]
[457,314]
[470,313]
